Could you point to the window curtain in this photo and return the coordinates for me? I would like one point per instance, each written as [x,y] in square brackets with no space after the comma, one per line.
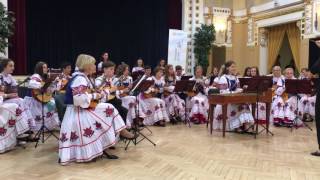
[275,39]
[293,33]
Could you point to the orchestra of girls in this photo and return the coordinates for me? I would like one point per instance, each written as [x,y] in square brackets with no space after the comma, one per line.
[93,107]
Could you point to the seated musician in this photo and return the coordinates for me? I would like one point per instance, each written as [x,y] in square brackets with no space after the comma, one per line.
[197,103]
[64,77]
[306,104]
[139,66]
[89,127]
[147,71]
[36,82]
[178,72]
[10,127]
[174,104]
[124,83]
[286,104]
[277,113]
[153,107]
[104,58]
[9,84]
[238,115]
[106,82]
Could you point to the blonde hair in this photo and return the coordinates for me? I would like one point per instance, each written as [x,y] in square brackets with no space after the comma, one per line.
[84,60]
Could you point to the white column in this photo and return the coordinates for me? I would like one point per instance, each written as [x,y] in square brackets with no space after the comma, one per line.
[5,3]
[263,57]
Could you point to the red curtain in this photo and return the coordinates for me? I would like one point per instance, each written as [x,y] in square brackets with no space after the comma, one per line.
[17,48]
[175,14]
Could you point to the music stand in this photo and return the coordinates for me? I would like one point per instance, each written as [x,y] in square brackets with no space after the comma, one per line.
[257,85]
[181,87]
[137,74]
[141,86]
[295,87]
[184,78]
[43,127]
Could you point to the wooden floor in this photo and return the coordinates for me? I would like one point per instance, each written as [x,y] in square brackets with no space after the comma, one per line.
[181,153]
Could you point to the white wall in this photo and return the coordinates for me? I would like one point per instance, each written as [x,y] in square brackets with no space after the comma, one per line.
[5,3]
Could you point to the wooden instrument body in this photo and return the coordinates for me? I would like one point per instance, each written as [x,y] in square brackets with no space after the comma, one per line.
[41,97]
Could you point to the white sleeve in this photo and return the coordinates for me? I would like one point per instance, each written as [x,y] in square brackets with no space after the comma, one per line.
[98,81]
[1,100]
[280,87]
[223,85]
[35,82]
[80,95]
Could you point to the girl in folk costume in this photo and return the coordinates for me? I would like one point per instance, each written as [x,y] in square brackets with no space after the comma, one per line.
[139,66]
[106,82]
[124,82]
[149,102]
[277,113]
[89,127]
[247,72]
[24,117]
[306,104]
[10,127]
[237,115]
[138,70]
[104,58]
[174,104]
[197,103]
[36,83]
[162,64]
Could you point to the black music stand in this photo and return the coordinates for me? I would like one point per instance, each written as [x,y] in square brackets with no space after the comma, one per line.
[185,78]
[296,87]
[137,74]
[257,85]
[141,86]
[43,129]
[181,87]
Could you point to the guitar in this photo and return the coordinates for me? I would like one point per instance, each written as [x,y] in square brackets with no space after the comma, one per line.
[42,95]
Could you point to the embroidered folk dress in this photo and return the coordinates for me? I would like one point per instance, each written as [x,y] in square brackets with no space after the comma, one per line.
[51,118]
[237,114]
[26,119]
[86,132]
[198,105]
[154,108]
[10,125]
[174,104]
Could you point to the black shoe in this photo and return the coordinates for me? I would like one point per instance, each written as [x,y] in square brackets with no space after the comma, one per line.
[316,153]
[112,148]
[109,156]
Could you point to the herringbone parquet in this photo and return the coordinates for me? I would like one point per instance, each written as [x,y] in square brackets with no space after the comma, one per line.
[181,153]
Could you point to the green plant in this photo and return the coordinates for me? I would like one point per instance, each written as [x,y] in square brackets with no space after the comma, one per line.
[203,39]
[6,27]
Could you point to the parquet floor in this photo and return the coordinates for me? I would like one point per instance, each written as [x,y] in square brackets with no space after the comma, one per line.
[181,153]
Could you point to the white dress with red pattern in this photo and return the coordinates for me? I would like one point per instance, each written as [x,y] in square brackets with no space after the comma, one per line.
[237,114]
[198,105]
[174,104]
[284,112]
[51,118]
[306,105]
[23,111]
[153,108]
[277,106]
[10,126]
[85,132]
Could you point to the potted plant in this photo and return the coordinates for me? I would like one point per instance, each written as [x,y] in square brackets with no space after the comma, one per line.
[6,27]
[203,39]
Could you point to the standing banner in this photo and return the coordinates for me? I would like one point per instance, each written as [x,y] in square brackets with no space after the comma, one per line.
[177,48]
